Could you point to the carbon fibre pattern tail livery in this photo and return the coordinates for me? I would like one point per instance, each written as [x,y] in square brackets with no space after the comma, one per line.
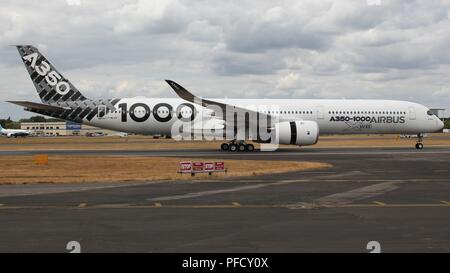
[56,90]
[50,84]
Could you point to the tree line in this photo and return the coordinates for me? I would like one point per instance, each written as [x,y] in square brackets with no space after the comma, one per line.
[11,124]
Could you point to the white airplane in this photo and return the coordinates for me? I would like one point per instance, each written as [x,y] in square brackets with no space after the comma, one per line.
[277,121]
[14,132]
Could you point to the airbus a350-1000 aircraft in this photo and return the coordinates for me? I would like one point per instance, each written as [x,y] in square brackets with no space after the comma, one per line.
[236,121]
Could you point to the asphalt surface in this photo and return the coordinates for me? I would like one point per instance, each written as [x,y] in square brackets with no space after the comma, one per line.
[399,197]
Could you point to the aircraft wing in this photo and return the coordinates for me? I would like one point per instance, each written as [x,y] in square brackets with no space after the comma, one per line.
[226,108]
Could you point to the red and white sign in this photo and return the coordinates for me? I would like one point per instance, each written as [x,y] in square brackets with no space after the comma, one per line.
[219,166]
[209,166]
[185,167]
[198,167]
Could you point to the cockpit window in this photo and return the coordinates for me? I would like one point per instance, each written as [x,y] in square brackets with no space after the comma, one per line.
[430,113]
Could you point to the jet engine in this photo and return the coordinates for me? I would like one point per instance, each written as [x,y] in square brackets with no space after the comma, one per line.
[296,133]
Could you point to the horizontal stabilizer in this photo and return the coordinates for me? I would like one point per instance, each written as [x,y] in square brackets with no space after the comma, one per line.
[38,106]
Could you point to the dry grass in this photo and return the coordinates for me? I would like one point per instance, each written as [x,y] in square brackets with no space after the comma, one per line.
[73,169]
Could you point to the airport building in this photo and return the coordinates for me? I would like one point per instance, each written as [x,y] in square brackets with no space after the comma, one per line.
[63,129]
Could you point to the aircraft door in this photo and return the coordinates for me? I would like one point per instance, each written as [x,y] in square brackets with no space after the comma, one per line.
[101,111]
[412,113]
[320,113]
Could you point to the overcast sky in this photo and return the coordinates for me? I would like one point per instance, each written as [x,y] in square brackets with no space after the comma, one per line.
[377,49]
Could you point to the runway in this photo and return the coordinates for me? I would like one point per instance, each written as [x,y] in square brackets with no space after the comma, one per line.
[399,197]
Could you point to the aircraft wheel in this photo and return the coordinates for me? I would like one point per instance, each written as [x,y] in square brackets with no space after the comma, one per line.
[233,147]
[250,147]
[241,147]
[225,147]
[419,146]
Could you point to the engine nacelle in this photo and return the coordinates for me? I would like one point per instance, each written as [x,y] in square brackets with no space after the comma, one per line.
[296,133]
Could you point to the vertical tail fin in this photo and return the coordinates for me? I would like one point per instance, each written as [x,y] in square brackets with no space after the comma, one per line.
[50,84]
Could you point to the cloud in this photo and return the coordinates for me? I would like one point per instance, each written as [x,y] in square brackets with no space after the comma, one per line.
[250,48]
[289,81]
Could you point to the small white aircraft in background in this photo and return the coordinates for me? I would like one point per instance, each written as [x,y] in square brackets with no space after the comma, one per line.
[14,132]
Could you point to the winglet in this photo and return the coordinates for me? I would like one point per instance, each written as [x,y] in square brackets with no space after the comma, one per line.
[182,92]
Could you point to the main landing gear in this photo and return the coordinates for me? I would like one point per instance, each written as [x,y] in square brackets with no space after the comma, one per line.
[419,144]
[237,146]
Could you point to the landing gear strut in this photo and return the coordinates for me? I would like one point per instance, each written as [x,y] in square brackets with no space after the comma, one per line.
[419,144]
[237,145]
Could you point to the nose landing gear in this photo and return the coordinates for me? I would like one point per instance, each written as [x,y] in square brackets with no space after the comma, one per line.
[240,146]
[419,144]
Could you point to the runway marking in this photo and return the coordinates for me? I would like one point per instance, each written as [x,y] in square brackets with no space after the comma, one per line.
[32,189]
[82,205]
[379,203]
[213,192]
[383,186]
[445,202]
[348,197]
